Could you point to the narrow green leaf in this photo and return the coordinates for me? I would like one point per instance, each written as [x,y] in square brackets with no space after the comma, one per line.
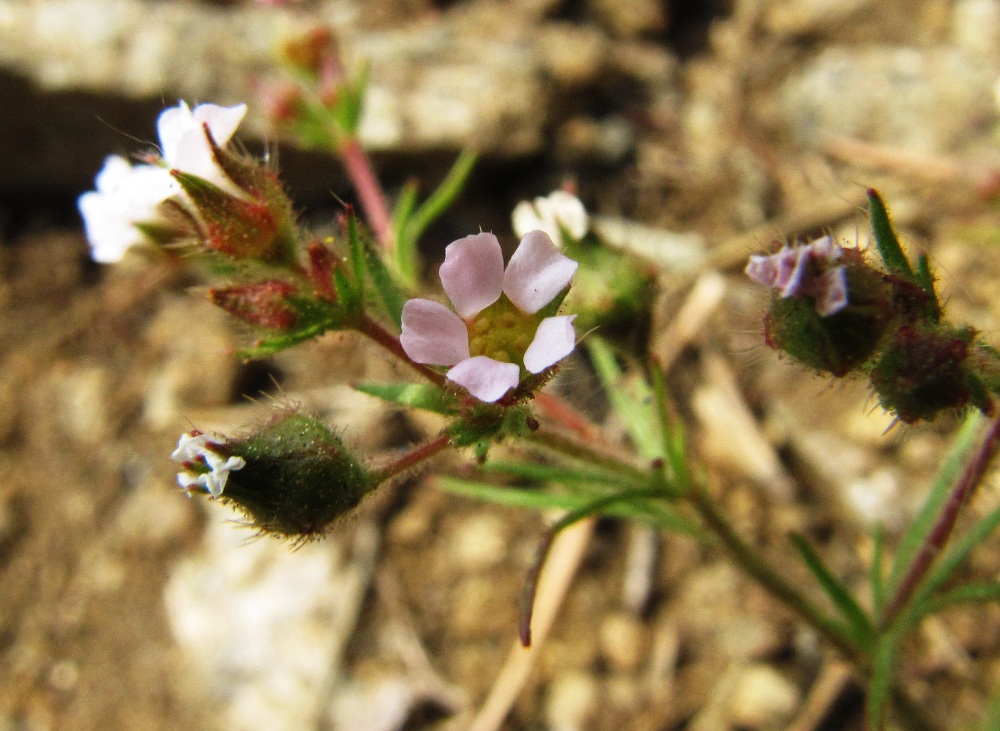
[633,509]
[429,211]
[425,396]
[859,624]
[406,203]
[357,251]
[986,591]
[886,240]
[880,688]
[390,292]
[672,435]
[635,409]
[926,280]
[555,473]
[942,571]
[876,576]
[916,532]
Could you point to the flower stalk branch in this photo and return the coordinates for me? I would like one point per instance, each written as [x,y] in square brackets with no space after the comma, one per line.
[413,458]
[369,190]
[373,330]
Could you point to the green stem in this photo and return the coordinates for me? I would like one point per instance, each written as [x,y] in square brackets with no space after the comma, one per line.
[749,560]
[575,449]
[372,329]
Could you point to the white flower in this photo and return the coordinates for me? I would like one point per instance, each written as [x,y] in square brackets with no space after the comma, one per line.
[203,467]
[496,326]
[186,148]
[127,195]
[559,211]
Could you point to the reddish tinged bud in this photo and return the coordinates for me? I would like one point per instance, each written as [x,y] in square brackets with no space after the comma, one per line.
[322,263]
[240,229]
[311,50]
[282,103]
[923,372]
[261,303]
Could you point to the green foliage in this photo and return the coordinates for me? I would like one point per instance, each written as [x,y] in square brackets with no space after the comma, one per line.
[648,509]
[424,396]
[411,221]
[859,626]
[298,478]
[632,399]
[916,532]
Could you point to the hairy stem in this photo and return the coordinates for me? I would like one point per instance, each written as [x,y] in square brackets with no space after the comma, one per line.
[413,458]
[369,190]
[751,563]
[372,329]
[583,452]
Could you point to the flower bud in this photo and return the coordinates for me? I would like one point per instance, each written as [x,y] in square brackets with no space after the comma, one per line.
[296,478]
[925,370]
[251,218]
[830,309]
[259,303]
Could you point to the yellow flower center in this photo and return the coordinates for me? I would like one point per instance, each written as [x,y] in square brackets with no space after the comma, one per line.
[502,332]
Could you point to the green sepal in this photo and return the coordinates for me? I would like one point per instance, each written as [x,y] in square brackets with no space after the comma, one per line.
[486,423]
[315,317]
[298,477]
[886,240]
[424,396]
[389,290]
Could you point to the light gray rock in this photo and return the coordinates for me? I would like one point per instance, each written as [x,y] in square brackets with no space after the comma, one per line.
[928,100]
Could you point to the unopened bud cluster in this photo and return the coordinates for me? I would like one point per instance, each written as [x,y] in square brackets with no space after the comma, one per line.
[835,312]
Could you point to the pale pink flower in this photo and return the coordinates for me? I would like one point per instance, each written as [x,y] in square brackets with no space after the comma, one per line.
[204,468]
[497,327]
[809,270]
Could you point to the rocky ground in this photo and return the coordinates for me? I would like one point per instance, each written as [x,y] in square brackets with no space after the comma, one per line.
[698,132]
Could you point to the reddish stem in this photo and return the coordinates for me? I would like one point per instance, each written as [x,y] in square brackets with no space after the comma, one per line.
[941,531]
[414,457]
[371,328]
[362,174]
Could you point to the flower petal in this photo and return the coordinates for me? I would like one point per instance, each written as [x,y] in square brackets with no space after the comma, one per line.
[485,378]
[472,273]
[526,218]
[433,334]
[831,291]
[171,126]
[222,121]
[125,196]
[536,272]
[554,340]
